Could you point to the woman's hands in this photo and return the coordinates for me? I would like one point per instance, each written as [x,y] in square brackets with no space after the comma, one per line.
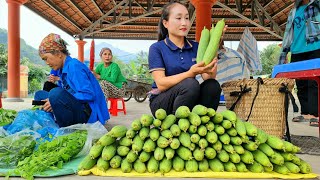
[47,106]
[201,68]
[211,73]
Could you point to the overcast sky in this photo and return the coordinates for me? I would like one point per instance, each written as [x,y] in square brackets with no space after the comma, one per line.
[34,28]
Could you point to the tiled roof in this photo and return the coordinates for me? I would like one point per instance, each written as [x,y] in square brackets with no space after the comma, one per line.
[138,19]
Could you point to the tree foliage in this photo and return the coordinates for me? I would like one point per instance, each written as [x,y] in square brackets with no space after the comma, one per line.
[138,69]
[3,61]
[25,49]
[37,73]
[269,58]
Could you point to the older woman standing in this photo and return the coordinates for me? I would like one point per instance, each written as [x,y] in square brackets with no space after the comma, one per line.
[110,76]
[80,98]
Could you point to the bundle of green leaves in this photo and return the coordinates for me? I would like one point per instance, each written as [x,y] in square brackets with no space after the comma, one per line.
[15,148]
[7,116]
[52,155]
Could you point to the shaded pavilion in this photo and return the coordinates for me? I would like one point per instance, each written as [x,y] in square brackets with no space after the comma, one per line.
[138,20]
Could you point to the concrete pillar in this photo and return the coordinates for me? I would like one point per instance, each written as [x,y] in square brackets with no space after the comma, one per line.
[203,15]
[81,44]
[14,50]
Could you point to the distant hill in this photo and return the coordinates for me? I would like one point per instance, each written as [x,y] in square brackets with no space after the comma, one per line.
[120,54]
[25,49]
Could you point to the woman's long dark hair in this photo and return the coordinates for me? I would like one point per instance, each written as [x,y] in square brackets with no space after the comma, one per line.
[163,31]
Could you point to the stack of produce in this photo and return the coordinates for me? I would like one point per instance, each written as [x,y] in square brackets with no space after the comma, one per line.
[7,116]
[209,42]
[200,140]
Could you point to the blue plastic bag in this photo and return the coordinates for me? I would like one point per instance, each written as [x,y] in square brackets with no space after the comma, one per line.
[38,120]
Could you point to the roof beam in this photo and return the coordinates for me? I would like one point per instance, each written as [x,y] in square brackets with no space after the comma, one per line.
[96,5]
[122,11]
[266,5]
[258,14]
[266,14]
[150,4]
[80,10]
[247,19]
[282,9]
[248,4]
[130,8]
[129,20]
[50,20]
[97,22]
[284,23]
[123,22]
[252,10]
[239,5]
[141,6]
[61,13]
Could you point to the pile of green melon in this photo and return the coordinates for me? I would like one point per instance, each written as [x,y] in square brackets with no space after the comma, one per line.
[200,140]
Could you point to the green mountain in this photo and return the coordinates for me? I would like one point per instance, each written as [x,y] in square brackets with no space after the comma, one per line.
[25,49]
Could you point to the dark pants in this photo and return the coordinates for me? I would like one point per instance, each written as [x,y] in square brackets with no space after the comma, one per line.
[187,93]
[307,89]
[48,86]
[66,108]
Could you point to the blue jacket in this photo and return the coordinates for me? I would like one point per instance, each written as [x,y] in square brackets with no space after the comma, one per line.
[85,87]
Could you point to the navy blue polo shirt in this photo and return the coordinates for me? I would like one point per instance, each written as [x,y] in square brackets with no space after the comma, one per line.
[165,55]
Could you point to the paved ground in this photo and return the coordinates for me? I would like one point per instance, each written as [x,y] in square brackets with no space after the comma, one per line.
[135,110]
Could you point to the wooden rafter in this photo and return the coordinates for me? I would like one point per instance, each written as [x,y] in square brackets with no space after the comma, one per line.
[124,22]
[49,19]
[111,16]
[239,5]
[283,9]
[268,3]
[247,19]
[96,5]
[150,4]
[61,13]
[93,25]
[130,8]
[140,6]
[275,25]
[80,10]
[247,6]
[121,13]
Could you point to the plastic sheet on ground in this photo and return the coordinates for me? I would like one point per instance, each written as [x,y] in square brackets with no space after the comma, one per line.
[184,174]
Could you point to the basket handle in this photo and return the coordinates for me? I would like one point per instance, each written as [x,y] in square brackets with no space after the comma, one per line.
[288,94]
[239,94]
[242,92]
[284,89]
[259,81]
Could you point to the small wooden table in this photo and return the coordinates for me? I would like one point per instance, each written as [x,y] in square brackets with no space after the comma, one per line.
[308,70]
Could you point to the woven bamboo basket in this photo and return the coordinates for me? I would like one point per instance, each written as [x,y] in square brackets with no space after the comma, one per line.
[268,110]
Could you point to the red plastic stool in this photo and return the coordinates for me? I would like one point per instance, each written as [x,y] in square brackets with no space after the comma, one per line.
[113,110]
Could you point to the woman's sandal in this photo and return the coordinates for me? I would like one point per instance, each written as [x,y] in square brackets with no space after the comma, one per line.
[314,122]
[299,119]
